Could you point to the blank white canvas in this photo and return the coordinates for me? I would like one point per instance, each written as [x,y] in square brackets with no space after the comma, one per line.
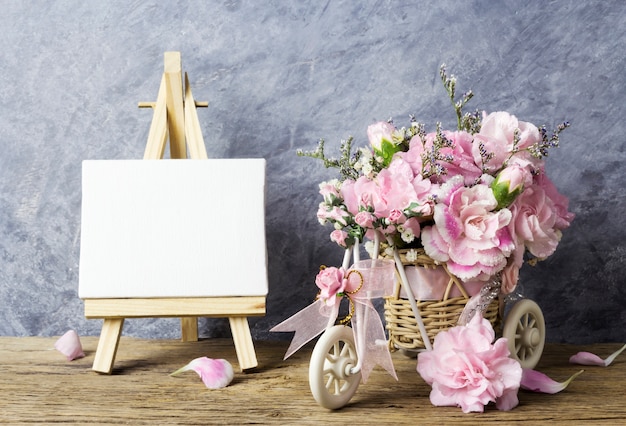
[173,228]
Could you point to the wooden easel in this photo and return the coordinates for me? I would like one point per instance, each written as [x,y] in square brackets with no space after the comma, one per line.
[174,115]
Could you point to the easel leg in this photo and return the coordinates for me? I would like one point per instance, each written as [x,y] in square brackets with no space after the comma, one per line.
[107,345]
[243,342]
[189,329]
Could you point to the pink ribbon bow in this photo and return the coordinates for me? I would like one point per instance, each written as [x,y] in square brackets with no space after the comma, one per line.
[377,279]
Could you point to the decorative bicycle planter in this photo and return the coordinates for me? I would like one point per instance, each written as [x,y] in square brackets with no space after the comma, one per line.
[335,369]
[476,199]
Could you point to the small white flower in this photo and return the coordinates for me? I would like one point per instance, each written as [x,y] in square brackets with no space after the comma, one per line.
[407,236]
[411,255]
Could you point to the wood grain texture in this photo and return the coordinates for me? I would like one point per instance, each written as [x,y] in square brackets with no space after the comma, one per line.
[38,385]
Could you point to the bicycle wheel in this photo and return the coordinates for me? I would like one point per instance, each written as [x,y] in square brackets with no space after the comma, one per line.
[525,330]
[330,379]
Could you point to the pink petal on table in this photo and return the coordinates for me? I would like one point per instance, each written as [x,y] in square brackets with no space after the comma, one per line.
[587,358]
[69,345]
[215,373]
[538,382]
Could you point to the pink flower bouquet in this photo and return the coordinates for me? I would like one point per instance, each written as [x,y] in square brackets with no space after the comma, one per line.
[470,204]
[476,198]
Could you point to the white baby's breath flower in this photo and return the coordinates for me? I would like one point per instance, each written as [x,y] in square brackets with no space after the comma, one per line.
[365,153]
[407,235]
[411,255]
[389,251]
[398,135]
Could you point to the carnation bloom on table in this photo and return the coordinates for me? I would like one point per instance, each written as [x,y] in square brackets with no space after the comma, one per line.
[467,370]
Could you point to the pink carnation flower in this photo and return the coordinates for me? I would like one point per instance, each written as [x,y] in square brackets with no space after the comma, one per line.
[466,370]
[463,162]
[414,154]
[496,135]
[510,273]
[469,234]
[534,222]
[560,201]
[396,188]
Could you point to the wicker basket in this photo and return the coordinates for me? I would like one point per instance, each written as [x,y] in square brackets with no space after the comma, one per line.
[438,315]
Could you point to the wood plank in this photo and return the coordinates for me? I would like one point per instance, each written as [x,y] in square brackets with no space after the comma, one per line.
[189,329]
[242,338]
[108,344]
[175,307]
[174,100]
[157,135]
[143,104]
[193,132]
[37,385]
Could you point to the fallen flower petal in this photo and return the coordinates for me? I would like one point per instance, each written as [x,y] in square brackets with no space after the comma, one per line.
[70,346]
[215,373]
[538,382]
[587,358]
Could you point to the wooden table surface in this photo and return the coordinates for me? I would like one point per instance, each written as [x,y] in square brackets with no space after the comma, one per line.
[37,385]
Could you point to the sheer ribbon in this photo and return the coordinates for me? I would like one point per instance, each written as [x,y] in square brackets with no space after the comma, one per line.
[376,279]
[480,301]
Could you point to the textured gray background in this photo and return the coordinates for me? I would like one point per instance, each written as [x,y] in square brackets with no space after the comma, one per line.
[278,76]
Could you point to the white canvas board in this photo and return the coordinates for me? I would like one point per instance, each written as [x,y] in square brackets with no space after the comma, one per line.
[173,228]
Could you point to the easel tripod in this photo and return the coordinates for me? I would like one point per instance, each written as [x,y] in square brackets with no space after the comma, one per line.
[174,116]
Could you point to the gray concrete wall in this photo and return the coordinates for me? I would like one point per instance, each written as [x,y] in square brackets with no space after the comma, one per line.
[278,76]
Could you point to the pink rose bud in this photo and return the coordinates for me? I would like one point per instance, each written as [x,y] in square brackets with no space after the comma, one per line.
[380,136]
[364,219]
[339,236]
[330,281]
[509,184]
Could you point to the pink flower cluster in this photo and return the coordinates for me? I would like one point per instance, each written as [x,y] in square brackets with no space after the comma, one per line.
[475,201]
[467,370]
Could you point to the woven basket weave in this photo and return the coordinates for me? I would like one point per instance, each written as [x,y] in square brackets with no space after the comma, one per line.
[438,315]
